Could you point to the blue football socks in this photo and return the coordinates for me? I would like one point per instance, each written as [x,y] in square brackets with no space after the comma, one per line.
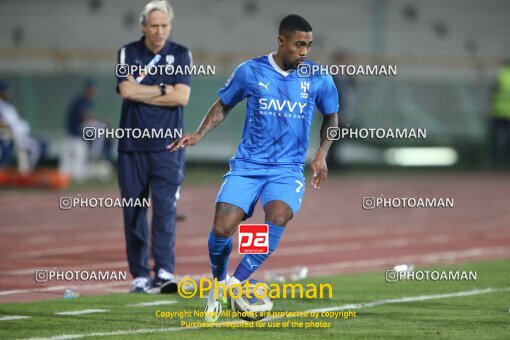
[219,251]
[251,262]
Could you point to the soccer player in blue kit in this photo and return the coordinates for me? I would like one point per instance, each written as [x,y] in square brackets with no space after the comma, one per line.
[269,162]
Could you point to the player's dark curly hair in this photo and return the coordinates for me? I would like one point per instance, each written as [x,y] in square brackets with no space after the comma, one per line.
[294,22]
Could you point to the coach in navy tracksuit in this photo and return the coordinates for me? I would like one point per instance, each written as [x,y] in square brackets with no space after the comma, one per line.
[152,103]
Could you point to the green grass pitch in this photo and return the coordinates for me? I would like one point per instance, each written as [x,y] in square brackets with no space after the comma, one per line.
[444,309]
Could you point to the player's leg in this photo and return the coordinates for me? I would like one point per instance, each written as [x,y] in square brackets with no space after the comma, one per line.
[281,199]
[277,215]
[133,177]
[235,202]
[166,177]
[226,219]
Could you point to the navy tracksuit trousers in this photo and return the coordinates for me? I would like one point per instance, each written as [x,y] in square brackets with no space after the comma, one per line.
[159,174]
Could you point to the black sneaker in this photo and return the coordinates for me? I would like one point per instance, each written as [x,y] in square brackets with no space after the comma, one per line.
[166,281]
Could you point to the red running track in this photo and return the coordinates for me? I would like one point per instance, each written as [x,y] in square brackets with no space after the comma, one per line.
[331,234]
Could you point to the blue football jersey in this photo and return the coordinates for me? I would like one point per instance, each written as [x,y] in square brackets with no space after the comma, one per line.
[279,111]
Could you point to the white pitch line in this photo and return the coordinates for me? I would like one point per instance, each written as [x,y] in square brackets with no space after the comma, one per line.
[154,303]
[287,251]
[290,250]
[410,299]
[81,312]
[329,268]
[330,309]
[93,266]
[13,317]
[445,237]
[134,331]
[61,251]
[199,241]
[399,300]
[53,288]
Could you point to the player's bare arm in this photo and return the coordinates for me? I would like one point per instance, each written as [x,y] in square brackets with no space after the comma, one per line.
[177,95]
[216,114]
[319,166]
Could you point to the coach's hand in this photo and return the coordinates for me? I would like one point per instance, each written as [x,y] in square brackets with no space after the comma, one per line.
[319,170]
[184,141]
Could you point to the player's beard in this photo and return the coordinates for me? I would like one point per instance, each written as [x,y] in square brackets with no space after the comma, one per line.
[293,65]
[296,63]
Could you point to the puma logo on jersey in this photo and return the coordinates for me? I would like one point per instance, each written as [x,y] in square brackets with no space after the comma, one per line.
[264,85]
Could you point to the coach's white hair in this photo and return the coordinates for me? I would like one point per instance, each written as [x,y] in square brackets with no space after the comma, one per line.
[160,5]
